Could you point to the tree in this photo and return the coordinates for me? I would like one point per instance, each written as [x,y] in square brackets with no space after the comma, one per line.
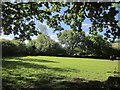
[98,46]
[71,39]
[12,47]
[46,46]
[42,43]
[31,48]
[8,48]
[20,47]
[101,14]
[19,18]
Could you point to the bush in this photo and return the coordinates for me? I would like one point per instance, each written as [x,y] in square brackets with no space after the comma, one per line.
[13,47]
[20,47]
[8,48]
[31,48]
[44,45]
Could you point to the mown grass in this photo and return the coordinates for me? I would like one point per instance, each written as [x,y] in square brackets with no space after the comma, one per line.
[47,72]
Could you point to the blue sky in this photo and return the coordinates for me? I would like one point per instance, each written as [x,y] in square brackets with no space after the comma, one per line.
[85,27]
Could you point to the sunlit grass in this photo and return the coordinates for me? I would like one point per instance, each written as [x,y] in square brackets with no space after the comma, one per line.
[33,71]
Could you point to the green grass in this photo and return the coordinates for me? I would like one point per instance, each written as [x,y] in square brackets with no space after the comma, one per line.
[40,71]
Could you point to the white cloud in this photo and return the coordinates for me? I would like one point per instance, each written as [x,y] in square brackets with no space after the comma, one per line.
[86,25]
[34,37]
[54,37]
[38,24]
[8,37]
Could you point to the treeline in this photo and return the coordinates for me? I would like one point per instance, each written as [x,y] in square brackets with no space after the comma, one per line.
[71,43]
[43,45]
[13,48]
[79,44]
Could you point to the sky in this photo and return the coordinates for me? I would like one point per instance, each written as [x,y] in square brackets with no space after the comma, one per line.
[85,27]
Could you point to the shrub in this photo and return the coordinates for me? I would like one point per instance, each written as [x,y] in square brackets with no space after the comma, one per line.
[20,47]
[8,48]
[31,48]
[13,47]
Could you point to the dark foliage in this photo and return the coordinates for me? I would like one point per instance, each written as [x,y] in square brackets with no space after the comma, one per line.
[101,15]
[13,48]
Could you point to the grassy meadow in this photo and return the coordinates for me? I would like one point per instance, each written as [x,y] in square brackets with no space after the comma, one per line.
[47,71]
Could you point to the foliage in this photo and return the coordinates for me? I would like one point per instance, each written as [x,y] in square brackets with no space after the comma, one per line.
[7,47]
[72,40]
[21,15]
[44,45]
[71,43]
[116,48]
[77,44]
[44,73]
[101,14]
[31,49]
[20,47]
[13,47]
[98,46]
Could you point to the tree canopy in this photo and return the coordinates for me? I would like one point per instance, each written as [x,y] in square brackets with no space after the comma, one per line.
[19,18]
[97,45]
[72,40]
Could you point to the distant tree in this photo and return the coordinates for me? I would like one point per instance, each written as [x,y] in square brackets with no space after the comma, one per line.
[46,46]
[71,40]
[43,29]
[13,47]
[31,48]
[20,47]
[57,49]
[8,48]
[42,43]
[97,45]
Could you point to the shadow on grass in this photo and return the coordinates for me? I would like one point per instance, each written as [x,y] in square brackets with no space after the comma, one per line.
[36,60]
[46,81]
[52,82]
[89,85]
[14,64]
